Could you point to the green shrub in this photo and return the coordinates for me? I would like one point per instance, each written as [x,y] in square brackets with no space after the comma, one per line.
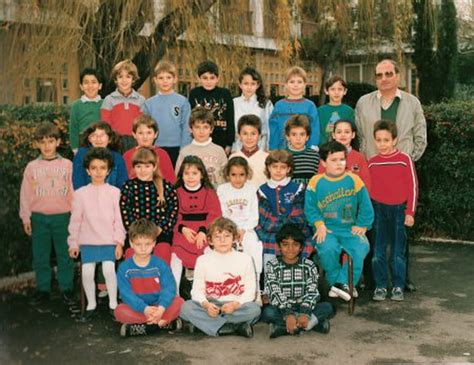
[33,113]
[446,172]
[355,90]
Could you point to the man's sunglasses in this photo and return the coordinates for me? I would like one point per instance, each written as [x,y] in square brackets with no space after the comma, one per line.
[387,74]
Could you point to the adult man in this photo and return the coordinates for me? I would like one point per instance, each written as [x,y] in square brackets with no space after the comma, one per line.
[389,102]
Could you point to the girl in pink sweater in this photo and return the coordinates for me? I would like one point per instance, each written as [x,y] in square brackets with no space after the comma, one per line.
[344,132]
[96,229]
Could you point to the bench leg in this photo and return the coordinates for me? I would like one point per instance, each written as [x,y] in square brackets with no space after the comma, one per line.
[351,284]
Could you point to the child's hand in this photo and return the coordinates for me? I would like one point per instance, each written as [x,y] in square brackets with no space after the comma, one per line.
[212,309]
[200,240]
[302,321]
[321,233]
[150,313]
[227,150]
[409,220]
[291,324]
[157,315]
[358,231]
[27,228]
[118,252]
[230,307]
[189,234]
[73,253]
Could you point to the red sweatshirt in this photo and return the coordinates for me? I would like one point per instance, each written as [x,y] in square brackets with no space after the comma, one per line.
[166,166]
[357,164]
[394,179]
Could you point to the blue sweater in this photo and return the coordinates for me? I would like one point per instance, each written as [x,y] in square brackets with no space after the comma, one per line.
[171,113]
[339,203]
[116,178]
[140,287]
[284,110]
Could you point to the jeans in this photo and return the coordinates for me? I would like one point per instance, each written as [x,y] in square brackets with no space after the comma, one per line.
[389,230]
[322,311]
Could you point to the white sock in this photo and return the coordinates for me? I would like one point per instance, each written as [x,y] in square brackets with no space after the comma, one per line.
[177,268]
[108,268]
[88,273]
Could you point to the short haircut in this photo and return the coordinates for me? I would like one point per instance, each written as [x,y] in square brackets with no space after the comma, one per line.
[201,114]
[386,125]
[125,65]
[251,120]
[144,155]
[282,156]
[89,72]
[293,231]
[298,121]
[296,71]
[98,153]
[394,63]
[207,66]
[165,66]
[46,130]
[237,161]
[114,139]
[222,224]
[146,120]
[331,147]
[333,79]
[142,228]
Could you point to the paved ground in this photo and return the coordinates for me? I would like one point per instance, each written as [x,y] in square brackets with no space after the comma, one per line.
[433,325]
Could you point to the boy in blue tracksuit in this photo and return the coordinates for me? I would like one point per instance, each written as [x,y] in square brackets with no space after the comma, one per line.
[337,204]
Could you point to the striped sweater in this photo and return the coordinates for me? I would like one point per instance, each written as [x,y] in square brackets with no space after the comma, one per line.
[306,164]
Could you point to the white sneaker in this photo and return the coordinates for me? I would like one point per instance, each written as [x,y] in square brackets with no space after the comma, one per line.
[340,291]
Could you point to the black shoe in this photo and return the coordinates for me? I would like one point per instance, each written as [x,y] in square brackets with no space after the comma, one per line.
[68,298]
[89,315]
[226,330]
[277,331]
[323,327]
[244,329]
[40,297]
[128,330]
[176,325]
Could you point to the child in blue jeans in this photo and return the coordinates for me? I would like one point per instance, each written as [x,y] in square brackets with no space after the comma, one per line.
[337,204]
[292,284]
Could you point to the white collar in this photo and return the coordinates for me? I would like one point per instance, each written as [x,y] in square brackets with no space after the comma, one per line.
[398,94]
[196,188]
[202,144]
[274,184]
[253,98]
[85,99]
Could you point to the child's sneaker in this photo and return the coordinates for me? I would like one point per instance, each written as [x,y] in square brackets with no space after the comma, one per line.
[103,293]
[244,329]
[128,330]
[379,294]
[68,298]
[339,290]
[323,327]
[276,330]
[397,294]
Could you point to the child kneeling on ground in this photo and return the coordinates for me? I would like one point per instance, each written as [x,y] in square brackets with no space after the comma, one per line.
[292,284]
[224,286]
[147,286]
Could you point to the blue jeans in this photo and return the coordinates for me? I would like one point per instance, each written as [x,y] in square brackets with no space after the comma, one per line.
[389,230]
[322,311]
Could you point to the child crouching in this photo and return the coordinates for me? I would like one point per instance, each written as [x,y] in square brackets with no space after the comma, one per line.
[292,284]
[146,285]
[224,287]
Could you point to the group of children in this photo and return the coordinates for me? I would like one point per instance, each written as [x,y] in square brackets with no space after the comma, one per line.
[257,193]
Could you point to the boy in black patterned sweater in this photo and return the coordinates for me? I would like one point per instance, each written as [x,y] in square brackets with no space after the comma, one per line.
[292,283]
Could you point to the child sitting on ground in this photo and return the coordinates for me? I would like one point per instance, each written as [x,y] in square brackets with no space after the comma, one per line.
[224,287]
[45,206]
[146,286]
[292,283]
[338,206]
[96,228]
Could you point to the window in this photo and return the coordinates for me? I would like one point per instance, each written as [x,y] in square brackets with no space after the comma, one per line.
[65,84]
[45,90]
[65,99]
[273,90]
[353,72]
[27,99]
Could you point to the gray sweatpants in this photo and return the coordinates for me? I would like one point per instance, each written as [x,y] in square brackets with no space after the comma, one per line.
[192,311]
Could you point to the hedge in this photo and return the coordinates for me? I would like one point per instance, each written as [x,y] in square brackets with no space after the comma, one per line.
[445,173]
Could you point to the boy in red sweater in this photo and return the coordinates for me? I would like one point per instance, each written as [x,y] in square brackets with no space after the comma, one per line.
[394,194]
